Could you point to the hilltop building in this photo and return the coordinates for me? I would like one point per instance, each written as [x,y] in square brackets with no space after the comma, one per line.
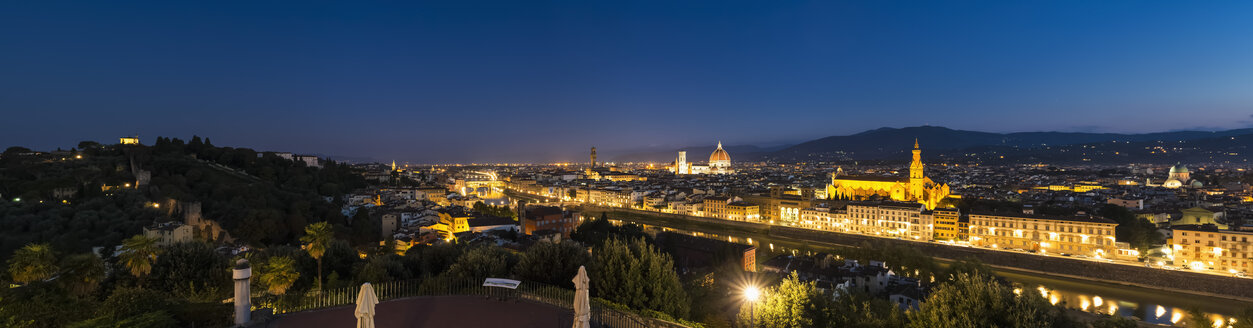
[719,163]
[916,188]
[1179,177]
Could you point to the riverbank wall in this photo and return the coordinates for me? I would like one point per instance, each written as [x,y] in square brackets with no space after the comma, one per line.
[1169,280]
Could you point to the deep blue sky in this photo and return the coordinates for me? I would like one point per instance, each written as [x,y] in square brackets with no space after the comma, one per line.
[473,80]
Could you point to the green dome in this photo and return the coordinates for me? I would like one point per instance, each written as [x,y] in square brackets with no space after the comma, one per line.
[1178,168]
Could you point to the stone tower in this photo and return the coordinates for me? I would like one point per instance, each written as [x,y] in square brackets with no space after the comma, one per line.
[680,164]
[593,157]
[916,180]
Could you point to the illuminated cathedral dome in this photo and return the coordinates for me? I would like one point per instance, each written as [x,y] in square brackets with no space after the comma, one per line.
[1180,177]
[719,155]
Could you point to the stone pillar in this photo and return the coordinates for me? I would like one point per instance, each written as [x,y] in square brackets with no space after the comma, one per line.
[243,302]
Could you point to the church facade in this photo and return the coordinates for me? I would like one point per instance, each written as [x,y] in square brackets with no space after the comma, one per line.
[915,188]
[1179,177]
[719,163]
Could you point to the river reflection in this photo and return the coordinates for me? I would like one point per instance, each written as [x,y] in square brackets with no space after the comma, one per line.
[1149,305]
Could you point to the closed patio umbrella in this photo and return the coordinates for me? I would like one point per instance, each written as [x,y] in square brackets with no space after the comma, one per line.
[582,305]
[365,306]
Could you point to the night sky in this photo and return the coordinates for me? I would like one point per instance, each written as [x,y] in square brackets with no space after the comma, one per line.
[487,80]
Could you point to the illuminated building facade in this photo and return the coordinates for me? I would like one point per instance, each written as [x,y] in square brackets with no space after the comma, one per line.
[1179,177]
[782,206]
[169,233]
[742,211]
[715,207]
[731,209]
[129,140]
[891,219]
[946,224]
[719,163]
[540,218]
[916,188]
[1071,235]
[1202,247]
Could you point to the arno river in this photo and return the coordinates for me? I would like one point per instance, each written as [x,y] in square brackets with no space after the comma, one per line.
[1150,305]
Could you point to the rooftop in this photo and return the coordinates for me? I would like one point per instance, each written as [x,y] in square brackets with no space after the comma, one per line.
[1043,217]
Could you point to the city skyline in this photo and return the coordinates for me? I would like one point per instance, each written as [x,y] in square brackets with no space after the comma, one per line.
[640,164]
[365,80]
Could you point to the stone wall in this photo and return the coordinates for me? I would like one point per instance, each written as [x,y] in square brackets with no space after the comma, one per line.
[1181,281]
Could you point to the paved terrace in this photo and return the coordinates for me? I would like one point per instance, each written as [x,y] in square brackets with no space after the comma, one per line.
[438,312]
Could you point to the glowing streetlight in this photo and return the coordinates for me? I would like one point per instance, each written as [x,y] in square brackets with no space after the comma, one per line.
[751,294]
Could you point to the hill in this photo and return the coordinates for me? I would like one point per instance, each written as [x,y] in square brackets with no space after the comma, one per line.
[88,196]
[887,143]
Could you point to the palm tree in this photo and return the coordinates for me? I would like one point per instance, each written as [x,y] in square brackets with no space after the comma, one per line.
[316,239]
[138,254]
[279,273]
[33,262]
[82,273]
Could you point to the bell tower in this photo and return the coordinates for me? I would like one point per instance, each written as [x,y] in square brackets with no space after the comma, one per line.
[916,180]
[593,157]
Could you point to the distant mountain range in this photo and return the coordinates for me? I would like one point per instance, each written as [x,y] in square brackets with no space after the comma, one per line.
[885,142]
[961,145]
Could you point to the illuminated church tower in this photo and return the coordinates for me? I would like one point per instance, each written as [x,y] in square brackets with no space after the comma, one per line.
[917,182]
[593,157]
[915,188]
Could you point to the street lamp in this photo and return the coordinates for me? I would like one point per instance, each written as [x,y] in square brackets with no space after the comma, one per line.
[751,294]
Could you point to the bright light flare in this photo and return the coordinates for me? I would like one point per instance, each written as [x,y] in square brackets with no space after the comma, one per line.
[752,293]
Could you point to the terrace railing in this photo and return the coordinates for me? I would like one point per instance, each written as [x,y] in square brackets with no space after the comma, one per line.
[602,315]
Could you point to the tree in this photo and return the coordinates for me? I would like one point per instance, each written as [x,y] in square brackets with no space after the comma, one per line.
[382,268]
[130,302]
[33,262]
[642,276]
[595,232]
[1115,322]
[482,263]
[16,150]
[791,304]
[968,266]
[193,271]
[365,229]
[316,239]
[863,310]
[430,260]
[82,274]
[552,263]
[1139,233]
[970,301]
[278,273]
[86,144]
[138,254]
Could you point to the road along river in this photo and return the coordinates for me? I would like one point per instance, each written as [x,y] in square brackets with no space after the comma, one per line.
[1150,305]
